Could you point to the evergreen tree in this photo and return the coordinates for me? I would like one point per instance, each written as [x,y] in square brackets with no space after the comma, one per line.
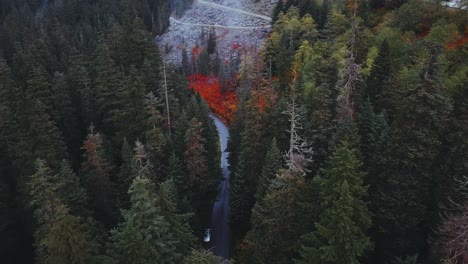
[407,191]
[97,170]
[72,192]
[155,137]
[108,79]
[195,156]
[203,257]
[47,203]
[71,242]
[6,99]
[269,170]
[379,75]
[277,220]
[65,114]
[344,218]
[125,176]
[211,45]
[179,227]
[129,115]
[144,236]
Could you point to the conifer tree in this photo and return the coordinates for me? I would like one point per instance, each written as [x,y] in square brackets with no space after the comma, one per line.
[379,75]
[155,137]
[48,205]
[144,236]
[125,176]
[65,114]
[195,155]
[179,227]
[6,98]
[70,241]
[72,192]
[277,219]
[108,80]
[129,116]
[97,170]
[203,257]
[269,170]
[344,218]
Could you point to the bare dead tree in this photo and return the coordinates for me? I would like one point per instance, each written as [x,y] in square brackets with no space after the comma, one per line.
[452,234]
[299,154]
[350,72]
[453,237]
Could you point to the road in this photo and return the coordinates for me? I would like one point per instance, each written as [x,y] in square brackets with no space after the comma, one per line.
[216,26]
[220,232]
[234,10]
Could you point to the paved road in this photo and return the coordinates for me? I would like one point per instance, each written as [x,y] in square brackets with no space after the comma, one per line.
[216,26]
[234,10]
[220,232]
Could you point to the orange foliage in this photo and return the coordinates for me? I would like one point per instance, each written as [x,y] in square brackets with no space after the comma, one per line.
[209,88]
[459,42]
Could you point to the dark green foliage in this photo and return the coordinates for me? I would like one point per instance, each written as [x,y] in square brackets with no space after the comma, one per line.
[269,170]
[144,236]
[97,170]
[70,241]
[409,175]
[202,257]
[166,200]
[129,116]
[47,203]
[344,218]
[72,192]
[380,73]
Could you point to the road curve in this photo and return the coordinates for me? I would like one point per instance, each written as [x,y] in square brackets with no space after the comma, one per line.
[220,231]
[215,26]
[234,10]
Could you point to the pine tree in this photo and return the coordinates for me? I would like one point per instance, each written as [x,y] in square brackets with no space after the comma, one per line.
[195,156]
[48,205]
[97,171]
[144,236]
[65,114]
[125,176]
[179,227]
[269,170]
[72,192]
[278,219]
[344,216]
[39,87]
[71,242]
[155,137]
[129,116]
[211,46]
[203,257]
[408,191]
[379,75]
[6,98]
[108,80]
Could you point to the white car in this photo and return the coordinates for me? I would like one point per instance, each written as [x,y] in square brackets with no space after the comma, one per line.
[207,236]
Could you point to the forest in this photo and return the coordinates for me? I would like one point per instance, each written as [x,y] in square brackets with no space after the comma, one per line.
[348,135]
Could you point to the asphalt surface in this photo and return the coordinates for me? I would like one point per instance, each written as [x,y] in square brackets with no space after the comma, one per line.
[234,10]
[220,232]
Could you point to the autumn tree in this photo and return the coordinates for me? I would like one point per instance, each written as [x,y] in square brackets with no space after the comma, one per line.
[97,170]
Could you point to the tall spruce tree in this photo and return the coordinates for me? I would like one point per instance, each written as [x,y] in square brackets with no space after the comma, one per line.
[47,203]
[97,170]
[344,219]
[144,236]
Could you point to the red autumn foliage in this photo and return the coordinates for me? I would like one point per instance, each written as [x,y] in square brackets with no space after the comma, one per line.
[460,42]
[209,88]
